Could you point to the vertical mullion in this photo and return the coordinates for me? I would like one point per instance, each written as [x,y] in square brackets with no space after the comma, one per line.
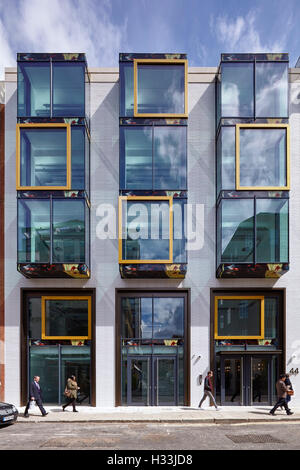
[51,229]
[254,88]
[152,156]
[254,228]
[51,89]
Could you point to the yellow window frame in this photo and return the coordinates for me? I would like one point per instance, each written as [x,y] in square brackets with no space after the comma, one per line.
[136,62]
[148,199]
[44,299]
[18,154]
[237,156]
[241,297]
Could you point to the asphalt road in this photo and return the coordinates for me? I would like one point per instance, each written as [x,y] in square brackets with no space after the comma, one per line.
[150,436]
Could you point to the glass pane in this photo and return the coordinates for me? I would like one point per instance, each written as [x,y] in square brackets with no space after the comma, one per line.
[161,88]
[44,362]
[75,360]
[260,380]
[139,371]
[136,317]
[237,90]
[166,382]
[272,230]
[34,315]
[179,231]
[239,317]
[43,157]
[147,231]
[136,157]
[263,157]
[237,235]
[272,90]
[170,157]
[168,317]
[78,157]
[271,321]
[34,231]
[126,89]
[233,384]
[68,231]
[33,89]
[227,163]
[68,89]
[66,317]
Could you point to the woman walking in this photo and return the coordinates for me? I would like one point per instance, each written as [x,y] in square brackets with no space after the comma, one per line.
[71,393]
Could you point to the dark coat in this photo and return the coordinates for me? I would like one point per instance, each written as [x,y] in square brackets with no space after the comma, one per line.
[35,391]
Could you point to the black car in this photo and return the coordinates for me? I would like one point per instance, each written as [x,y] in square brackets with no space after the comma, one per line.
[8,413]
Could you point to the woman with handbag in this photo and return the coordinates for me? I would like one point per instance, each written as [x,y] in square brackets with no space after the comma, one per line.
[71,393]
[290,391]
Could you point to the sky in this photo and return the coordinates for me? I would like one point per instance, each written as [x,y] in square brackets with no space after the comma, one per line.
[202,29]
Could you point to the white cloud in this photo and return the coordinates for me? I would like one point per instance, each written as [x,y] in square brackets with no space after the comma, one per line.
[241,35]
[61,26]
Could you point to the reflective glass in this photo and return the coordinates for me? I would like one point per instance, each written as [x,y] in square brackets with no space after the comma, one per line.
[226,158]
[263,157]
[147,231]
[66,317]
[126,89]
[170,157]
[136,156]
[43,156]
[68,231]
[272,230]
[168,317]
[68,89]
[78,157]
[33,89]
[271,89]
[239,317]
[76,361]
[34,231]
[237,90]
[161,89]
[271,320]
[44,362]
[34,315]
[237,230]
[136,317]
[179,231]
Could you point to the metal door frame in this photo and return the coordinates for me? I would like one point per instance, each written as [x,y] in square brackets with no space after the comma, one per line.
[152,379]
[246,378]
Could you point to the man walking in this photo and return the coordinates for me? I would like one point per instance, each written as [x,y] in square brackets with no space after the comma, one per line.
[282,394]
[208,390]
[35,394]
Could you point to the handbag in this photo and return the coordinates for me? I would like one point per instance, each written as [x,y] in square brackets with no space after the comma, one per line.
[67,393]
[290,392]
[32,405]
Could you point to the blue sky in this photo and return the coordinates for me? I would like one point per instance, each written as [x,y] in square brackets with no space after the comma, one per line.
[103,28]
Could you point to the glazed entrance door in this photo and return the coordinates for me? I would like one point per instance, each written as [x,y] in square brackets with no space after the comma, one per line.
[248,380]
[152,380]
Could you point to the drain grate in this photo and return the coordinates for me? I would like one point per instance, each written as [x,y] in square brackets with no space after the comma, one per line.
[254,439]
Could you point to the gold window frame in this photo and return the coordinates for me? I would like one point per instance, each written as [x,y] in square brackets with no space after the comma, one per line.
[136,62]
[148,199]
[241,297]
[237,156]
[44,299]
[18,155]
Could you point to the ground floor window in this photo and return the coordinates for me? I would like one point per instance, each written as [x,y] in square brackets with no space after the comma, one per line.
[57,342]
[152,348]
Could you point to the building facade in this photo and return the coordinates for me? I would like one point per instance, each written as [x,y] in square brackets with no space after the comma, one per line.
[151,228]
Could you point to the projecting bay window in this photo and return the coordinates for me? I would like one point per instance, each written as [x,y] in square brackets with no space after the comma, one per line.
[153,87]
[52,157]
[151,230]
[53,232]
[252,231]
[50,88]
[153,157]
[253,157]
[253,87]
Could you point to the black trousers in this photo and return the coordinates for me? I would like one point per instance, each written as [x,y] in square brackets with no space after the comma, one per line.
[39,404]
[280,402]
[70,401]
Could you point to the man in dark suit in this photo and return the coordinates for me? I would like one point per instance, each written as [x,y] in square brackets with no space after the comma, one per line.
[35,393]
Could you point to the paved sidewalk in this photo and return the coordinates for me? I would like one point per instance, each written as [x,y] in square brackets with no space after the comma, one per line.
[226,414]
